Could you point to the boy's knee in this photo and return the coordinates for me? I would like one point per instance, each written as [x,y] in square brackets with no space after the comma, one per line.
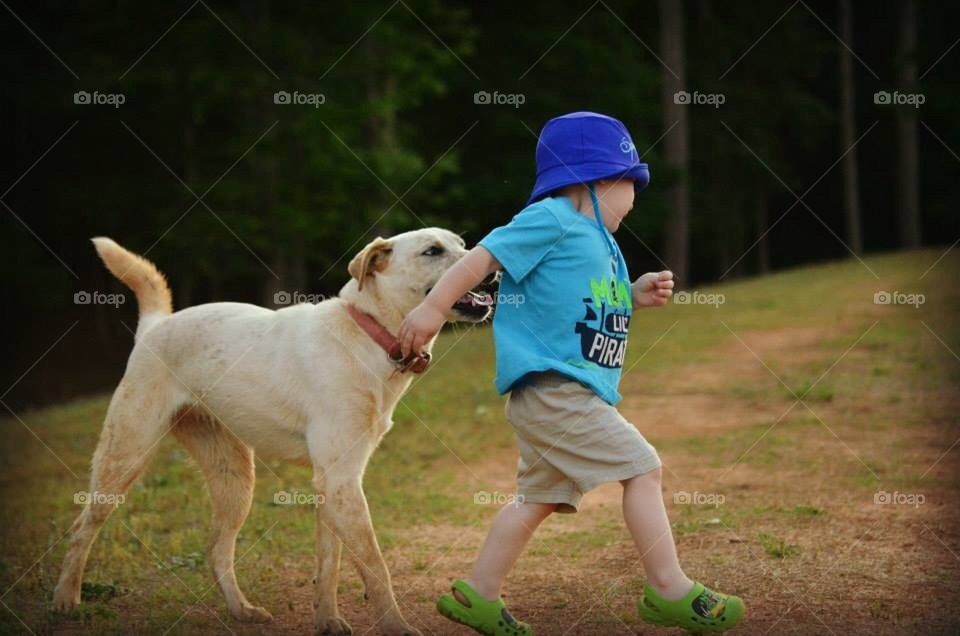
[536,510]
[543,510]
[654,476]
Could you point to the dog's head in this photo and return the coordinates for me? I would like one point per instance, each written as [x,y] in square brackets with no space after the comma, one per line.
[401,271]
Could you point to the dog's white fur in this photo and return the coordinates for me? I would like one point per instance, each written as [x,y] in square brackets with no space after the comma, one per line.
[303,384]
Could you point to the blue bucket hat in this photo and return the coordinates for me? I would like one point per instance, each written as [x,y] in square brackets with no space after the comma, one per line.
[584,147]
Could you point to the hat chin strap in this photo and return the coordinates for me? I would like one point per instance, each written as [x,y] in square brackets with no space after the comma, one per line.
[596,214]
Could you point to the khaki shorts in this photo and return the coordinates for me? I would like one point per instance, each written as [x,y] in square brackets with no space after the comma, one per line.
[571,441]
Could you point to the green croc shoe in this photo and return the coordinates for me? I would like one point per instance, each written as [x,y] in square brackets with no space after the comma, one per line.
[702,610]
[487,617]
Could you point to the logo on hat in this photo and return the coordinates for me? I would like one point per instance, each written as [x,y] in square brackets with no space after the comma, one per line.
[626,146]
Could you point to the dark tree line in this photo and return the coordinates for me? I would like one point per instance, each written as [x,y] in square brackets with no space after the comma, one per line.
[239,197]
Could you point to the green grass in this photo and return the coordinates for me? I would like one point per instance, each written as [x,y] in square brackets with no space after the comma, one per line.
[778,547]
[149,559]
[780,441]
[807,390]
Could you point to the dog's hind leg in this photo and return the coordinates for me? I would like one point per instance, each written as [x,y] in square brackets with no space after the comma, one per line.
[136,421]
[228,465]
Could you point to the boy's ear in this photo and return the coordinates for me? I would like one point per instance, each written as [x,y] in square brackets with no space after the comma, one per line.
[373,258]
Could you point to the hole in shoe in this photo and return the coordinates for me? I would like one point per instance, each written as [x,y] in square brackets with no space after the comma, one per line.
[463,600]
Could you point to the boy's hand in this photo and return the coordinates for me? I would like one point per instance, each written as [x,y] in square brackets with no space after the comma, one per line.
[653,289]
[418,327]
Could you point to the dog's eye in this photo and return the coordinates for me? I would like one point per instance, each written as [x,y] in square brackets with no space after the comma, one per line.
[433,250]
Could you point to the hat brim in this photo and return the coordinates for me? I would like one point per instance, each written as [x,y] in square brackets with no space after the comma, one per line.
[562,176]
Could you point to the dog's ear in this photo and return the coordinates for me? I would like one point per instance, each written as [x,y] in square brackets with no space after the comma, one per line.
[372,258]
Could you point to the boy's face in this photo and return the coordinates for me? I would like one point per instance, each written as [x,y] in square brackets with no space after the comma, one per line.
[616,201]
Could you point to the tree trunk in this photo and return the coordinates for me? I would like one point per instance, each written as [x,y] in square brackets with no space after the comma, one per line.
[184,288]
[676,148]
[183,292]
[908,154]
[277,293]
[848,131]
[381,89]
[761,223]
[287,278]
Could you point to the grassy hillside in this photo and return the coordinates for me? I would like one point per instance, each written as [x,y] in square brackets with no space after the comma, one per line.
[710,385]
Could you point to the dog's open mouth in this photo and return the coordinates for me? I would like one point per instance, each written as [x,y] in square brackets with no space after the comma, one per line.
[474,305]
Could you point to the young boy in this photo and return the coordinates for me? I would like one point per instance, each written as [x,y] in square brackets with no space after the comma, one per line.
[559,355]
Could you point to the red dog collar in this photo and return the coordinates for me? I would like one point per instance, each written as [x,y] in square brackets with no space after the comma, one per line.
[415,362]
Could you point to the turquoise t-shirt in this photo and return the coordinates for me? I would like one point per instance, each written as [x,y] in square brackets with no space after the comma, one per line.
[565,298]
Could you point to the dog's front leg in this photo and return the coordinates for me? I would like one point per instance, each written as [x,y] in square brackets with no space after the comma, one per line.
[326,619]
[347,516]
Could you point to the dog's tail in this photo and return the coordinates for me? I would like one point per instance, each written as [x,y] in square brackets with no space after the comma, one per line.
[142,277]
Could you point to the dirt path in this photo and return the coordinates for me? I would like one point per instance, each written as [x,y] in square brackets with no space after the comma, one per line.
[799,534]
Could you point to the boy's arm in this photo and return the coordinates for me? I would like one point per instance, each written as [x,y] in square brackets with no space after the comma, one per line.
[425,320]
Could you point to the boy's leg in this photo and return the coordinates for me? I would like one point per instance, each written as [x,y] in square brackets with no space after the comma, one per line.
[512,528]
[646,518]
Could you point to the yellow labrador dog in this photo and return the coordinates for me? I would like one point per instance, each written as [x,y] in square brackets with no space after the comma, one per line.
[309,384]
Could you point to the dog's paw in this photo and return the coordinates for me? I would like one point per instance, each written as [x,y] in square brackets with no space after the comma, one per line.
[65,602]
[335,626]
[253,614]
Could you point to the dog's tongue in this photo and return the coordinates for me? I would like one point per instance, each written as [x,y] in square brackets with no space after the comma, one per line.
[472,298]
